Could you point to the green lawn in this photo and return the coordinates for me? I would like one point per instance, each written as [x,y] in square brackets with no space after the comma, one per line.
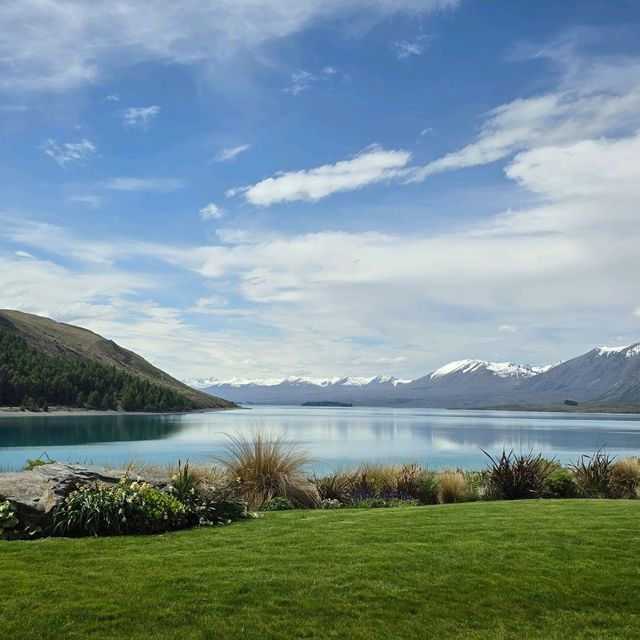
[535,569]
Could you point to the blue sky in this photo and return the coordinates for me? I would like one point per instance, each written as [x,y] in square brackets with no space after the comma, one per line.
[261,189]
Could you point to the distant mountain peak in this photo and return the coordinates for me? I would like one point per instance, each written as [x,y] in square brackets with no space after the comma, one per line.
[629,351]
[501,369]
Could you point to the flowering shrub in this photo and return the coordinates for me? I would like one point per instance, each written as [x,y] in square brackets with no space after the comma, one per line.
[128,507]
[9,524]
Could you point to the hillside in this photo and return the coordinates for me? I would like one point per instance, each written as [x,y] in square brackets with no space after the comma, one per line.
[50,345]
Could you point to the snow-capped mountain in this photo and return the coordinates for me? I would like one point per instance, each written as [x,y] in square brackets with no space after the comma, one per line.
[604,374]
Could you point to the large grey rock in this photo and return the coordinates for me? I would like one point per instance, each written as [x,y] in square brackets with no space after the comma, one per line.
[37,492]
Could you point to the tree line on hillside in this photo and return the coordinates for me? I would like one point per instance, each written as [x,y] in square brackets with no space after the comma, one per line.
[32,380]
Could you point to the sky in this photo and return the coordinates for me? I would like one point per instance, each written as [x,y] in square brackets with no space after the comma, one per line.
[266,188]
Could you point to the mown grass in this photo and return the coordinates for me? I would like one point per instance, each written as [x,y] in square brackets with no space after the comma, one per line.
[553,569]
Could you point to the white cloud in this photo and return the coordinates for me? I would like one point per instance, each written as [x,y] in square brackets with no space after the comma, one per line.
[67,43]
[231,153]
[329,70]
[23,254]
[594,100]
[139,117]
[372,165]
[161,185]
[300,81]
[69,152]
[113,97]
[507,328]
[90,199]
[211,212]
[405,49]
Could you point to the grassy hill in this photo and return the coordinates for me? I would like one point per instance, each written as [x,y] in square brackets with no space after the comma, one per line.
[70,343]
[540,570]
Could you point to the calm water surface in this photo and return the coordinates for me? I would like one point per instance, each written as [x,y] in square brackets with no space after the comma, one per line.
[335,437]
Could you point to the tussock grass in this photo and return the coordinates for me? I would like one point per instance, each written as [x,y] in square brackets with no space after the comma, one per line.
[264,467]
[453,487]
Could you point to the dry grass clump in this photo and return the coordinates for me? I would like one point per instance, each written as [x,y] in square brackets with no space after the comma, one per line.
[263,466]
[625,478]
[594,475]
[453,487]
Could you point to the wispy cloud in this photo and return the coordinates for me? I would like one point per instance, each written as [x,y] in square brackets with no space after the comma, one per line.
[211,212]
[139,117]
[90,199]
[406,48]
[69,152]
[113,97]
[84,38]
[161,185]
[372,165]
[230,153]
[300,81]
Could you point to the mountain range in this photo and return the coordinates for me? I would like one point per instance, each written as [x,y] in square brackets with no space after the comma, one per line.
[603,376]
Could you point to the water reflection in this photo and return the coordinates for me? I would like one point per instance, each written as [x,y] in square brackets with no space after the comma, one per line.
[335,437]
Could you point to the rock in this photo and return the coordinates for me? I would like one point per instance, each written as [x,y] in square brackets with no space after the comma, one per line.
[37,492]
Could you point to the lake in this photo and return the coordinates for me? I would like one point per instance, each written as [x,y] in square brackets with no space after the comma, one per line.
[335,437]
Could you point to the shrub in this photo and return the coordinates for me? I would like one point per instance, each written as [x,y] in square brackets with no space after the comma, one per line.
[330,503]
[278,504]
[560,483]
[264,467]
[207,503]
[33,463]
[594,475]
[9,523]
[128,507]
[334,487]
[453,487]
[514,477]
[625,478]
[426,490]
[374,479]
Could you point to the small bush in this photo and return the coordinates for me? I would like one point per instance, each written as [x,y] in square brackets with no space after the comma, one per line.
[334,487]
[453,487]
[625,478]
[560,483]
[33,463]
[374,479]
[426,490]
[331,503]
[9,523]
[515,477]
[128,507]
[594,475]
[278,504]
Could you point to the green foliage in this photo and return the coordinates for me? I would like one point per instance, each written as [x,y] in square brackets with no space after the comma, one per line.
[207,504]
[560,483]
[278,504]
[27,374]
[9,523]
[331,503]
[33,463]
[335,486]
[128,507]
[594,475]
[426,491]
[516,477]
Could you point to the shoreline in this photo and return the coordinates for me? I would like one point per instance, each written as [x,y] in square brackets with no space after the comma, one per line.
[14,412]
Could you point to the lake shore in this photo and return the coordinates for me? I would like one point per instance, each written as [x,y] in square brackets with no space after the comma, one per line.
[14,412]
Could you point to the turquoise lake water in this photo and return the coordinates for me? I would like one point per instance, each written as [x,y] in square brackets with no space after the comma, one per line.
[335,437]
